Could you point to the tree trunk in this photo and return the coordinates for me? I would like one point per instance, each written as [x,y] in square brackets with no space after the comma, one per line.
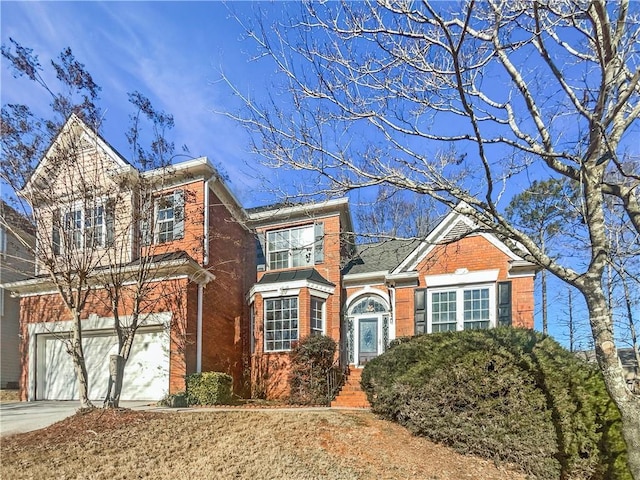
[607,356]
[543,280]
[77,354]
[116,374]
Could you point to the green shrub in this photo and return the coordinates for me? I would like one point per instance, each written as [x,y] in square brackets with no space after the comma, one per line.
[312,359]
[209,388]
[506,394]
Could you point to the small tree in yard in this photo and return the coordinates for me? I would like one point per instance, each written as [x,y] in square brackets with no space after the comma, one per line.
[311,359]
[90,241]
[522,90]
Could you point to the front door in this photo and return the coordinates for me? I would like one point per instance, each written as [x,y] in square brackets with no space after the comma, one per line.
[367,339]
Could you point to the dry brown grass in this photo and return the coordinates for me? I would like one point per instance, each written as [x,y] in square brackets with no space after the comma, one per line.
[273,444]
[9,395]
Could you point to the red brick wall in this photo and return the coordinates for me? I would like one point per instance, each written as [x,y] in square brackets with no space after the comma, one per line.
[473,253]
[270,370]
[193,239]
[225,311]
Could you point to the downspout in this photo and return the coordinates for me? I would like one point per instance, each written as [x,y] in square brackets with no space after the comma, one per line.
[206,222]
[199,331]
[392,305]
[205,261]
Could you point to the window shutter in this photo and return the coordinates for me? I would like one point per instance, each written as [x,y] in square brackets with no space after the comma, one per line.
[420,311]
[55,232]
[504,304]
[260,258]
[145,230]
[319,243]
[178,214]
[109,222]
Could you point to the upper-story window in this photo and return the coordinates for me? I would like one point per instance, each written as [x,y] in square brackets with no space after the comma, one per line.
[295,247]
[168,215]
[83,227]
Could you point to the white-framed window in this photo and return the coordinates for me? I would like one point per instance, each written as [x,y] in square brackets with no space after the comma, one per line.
[84,227]
[169,217]
[317,316]
[280,323]
[461,308]
[295,247]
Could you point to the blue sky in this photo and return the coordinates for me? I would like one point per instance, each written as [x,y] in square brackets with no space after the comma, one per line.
[172,52]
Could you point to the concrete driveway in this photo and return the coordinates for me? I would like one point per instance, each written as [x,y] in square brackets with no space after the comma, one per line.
[19,417]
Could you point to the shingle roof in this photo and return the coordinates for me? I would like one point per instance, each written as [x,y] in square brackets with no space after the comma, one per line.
[310,274]
[382,256]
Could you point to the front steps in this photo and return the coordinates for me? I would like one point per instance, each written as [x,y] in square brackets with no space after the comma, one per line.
[351,395]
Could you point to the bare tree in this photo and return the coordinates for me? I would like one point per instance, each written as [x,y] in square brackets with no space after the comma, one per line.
[95,214]
[380,91]
[394,214]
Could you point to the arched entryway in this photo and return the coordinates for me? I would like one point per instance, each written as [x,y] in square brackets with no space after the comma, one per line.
[367,326]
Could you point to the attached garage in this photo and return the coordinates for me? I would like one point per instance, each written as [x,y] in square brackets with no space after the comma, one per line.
[146,375]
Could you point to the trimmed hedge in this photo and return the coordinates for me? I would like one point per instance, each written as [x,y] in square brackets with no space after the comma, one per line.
[209,388]
[311,360]
[506,394]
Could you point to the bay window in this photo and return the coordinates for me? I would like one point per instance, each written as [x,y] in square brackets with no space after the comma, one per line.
[317,316]
[280,323]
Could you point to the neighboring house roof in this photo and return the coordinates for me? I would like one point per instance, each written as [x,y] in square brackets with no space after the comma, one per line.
[308,274]
[381,256]
[16,221]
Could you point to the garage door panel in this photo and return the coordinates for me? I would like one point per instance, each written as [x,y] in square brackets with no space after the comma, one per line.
[146,373]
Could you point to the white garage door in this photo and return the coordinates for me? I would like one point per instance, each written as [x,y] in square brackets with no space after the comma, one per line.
[146,375]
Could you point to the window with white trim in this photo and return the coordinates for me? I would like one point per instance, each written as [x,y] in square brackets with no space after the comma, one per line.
[169,217]
[280,323]
[295,247]
[461,308]
[85,227]
[317,316]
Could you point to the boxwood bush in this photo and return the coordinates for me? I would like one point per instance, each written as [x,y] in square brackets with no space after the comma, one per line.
[209,388]
[506,394]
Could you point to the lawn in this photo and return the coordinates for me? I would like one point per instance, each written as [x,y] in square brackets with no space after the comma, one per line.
[263,444]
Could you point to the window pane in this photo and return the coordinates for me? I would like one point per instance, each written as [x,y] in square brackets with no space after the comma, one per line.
[284,329]
[476,309]
[317,316]
[443,311]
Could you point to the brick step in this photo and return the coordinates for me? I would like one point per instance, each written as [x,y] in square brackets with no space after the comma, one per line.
[351,395]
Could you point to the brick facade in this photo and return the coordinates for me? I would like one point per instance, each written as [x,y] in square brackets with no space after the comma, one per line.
[220,286]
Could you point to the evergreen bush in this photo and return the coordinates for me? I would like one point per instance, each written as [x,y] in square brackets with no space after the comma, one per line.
[209,388]
[312,358]
[507,394]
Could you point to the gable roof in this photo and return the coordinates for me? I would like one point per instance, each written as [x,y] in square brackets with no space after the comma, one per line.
[453,227]
[77,129]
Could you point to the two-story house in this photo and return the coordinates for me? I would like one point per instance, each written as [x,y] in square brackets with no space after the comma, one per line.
[229,289]
[171,238]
